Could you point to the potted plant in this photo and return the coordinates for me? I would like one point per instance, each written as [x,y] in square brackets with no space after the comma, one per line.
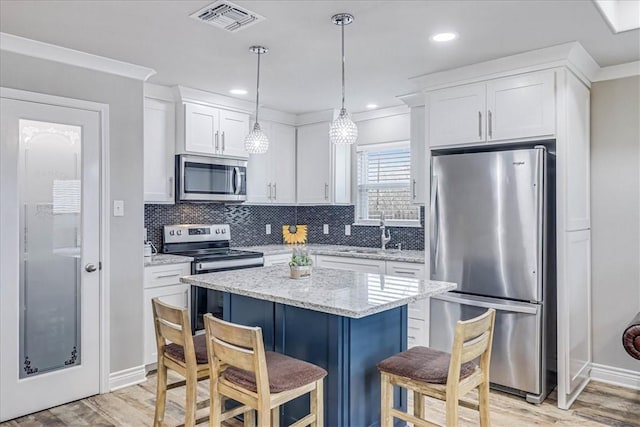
[300,263]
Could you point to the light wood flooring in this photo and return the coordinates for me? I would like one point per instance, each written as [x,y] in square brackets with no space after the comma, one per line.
[599,405]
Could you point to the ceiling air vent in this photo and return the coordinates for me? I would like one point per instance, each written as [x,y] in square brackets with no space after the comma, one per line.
[226,15]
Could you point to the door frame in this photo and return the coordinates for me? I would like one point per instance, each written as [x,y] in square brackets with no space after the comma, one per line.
[105,240]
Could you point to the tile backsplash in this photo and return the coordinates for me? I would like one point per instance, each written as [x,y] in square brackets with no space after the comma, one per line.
[248,224]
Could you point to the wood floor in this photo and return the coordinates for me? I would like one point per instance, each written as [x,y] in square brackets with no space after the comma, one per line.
[599,405]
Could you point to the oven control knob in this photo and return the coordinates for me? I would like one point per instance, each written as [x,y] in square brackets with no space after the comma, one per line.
[171,233]
[217,231]
[179,232]
[224,231]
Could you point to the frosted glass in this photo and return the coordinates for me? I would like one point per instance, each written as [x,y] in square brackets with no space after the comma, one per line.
[50,246]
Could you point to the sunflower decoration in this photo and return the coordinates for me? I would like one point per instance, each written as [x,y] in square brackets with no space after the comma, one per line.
[294,234]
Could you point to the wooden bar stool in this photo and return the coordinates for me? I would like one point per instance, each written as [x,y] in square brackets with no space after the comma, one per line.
[441,375]
[241,370]
[185,355]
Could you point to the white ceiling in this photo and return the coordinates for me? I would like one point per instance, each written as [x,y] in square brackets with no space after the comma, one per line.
[386,45]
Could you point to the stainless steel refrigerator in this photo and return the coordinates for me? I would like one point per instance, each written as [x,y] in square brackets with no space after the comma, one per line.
[492,231]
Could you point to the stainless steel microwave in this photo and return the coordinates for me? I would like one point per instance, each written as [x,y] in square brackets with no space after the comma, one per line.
[210,179]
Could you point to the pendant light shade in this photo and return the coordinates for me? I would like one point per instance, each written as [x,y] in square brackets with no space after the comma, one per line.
[256,141]
[343,130]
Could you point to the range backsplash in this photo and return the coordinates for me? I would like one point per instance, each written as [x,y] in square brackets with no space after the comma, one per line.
[248,224]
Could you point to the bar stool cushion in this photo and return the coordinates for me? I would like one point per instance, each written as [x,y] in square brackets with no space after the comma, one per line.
[285,373]
[423,364]
[176,352]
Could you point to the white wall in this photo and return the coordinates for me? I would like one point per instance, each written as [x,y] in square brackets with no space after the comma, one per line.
[125,97]
[615,216]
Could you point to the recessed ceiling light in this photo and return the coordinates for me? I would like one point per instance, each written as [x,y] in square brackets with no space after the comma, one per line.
[238,91]
[372,106]
[444,37]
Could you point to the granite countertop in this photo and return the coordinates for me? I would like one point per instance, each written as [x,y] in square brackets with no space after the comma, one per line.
[163,259]
[345,251]
[345,293]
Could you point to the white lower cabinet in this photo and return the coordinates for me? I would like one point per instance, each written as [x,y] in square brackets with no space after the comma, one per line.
[418,324]
[354,264]
[162,281]
[277,259]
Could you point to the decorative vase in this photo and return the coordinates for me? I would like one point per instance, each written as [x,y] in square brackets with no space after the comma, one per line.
[300,271]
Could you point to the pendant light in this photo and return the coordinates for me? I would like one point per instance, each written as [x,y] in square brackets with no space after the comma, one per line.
[256,141]
[343,130]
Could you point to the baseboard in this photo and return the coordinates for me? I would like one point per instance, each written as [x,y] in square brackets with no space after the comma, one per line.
[616,376]
[127,377]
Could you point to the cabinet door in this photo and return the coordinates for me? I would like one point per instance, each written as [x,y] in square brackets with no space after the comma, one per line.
[314,164]
[282,147]
[456,115]
[259,183]
[353,264]
[159,150]
[341,174]
[521,107]
[201,129]
[177,295]
[418,156]
[234,128]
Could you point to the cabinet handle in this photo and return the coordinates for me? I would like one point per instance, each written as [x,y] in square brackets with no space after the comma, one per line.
[269,185]
[164,276]
[275,191]
[171,187]
[414,189]
[413,273]
[223,141]
[411,337]
[326,191]
[490,124]
[216,141]
[479,124]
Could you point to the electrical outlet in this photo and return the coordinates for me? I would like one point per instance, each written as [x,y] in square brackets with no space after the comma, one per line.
[118,208]
[325,229]
[347,230]
[267,229]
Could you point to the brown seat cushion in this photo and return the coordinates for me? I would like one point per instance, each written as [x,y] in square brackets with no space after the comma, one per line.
[423,364]
[285,373]
[176,352]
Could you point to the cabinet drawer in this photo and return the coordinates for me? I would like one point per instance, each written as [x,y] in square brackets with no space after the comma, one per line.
[346,263]
[405,269]
[416,333]
[419,309]
[163,275]
[278,259]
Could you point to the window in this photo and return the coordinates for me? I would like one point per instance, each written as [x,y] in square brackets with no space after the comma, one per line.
[384,185]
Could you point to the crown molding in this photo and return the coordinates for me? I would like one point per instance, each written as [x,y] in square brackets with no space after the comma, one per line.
[380,113]
[41,50]
[618,71]
[570,55]
[413,99]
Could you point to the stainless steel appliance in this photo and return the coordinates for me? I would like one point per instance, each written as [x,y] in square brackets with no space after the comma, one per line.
[214,179]
[492,219]
[208,244]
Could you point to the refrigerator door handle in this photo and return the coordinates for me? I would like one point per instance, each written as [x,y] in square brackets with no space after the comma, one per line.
[541,226]
[435,224]
[504,305]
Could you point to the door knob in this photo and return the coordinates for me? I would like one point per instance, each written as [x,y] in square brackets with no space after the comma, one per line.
[90,268]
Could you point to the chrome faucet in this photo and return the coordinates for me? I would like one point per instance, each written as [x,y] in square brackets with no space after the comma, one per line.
[385,234]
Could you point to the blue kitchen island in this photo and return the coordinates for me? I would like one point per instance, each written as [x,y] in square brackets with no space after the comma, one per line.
[343,321]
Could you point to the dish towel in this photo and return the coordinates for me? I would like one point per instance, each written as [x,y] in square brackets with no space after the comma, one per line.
[631,338]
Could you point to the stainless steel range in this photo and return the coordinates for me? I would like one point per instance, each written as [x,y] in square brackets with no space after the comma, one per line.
[209,246]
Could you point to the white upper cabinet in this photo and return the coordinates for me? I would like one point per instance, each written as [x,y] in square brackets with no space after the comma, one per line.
[159,150]
[213,131]
[323,171]
[521,107]
[512,108]
[456,115]
[201,129]
[272,176]
[234,128]
[419,162]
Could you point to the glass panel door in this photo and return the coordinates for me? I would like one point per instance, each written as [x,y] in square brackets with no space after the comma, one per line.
[49,176]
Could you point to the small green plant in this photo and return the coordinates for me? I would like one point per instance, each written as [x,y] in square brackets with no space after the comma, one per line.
[300,258]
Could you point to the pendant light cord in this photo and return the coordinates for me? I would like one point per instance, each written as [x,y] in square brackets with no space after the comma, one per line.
[342,27]
[258,87]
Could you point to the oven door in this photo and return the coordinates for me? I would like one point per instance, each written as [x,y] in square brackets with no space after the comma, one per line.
[204,301]
[201,178]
